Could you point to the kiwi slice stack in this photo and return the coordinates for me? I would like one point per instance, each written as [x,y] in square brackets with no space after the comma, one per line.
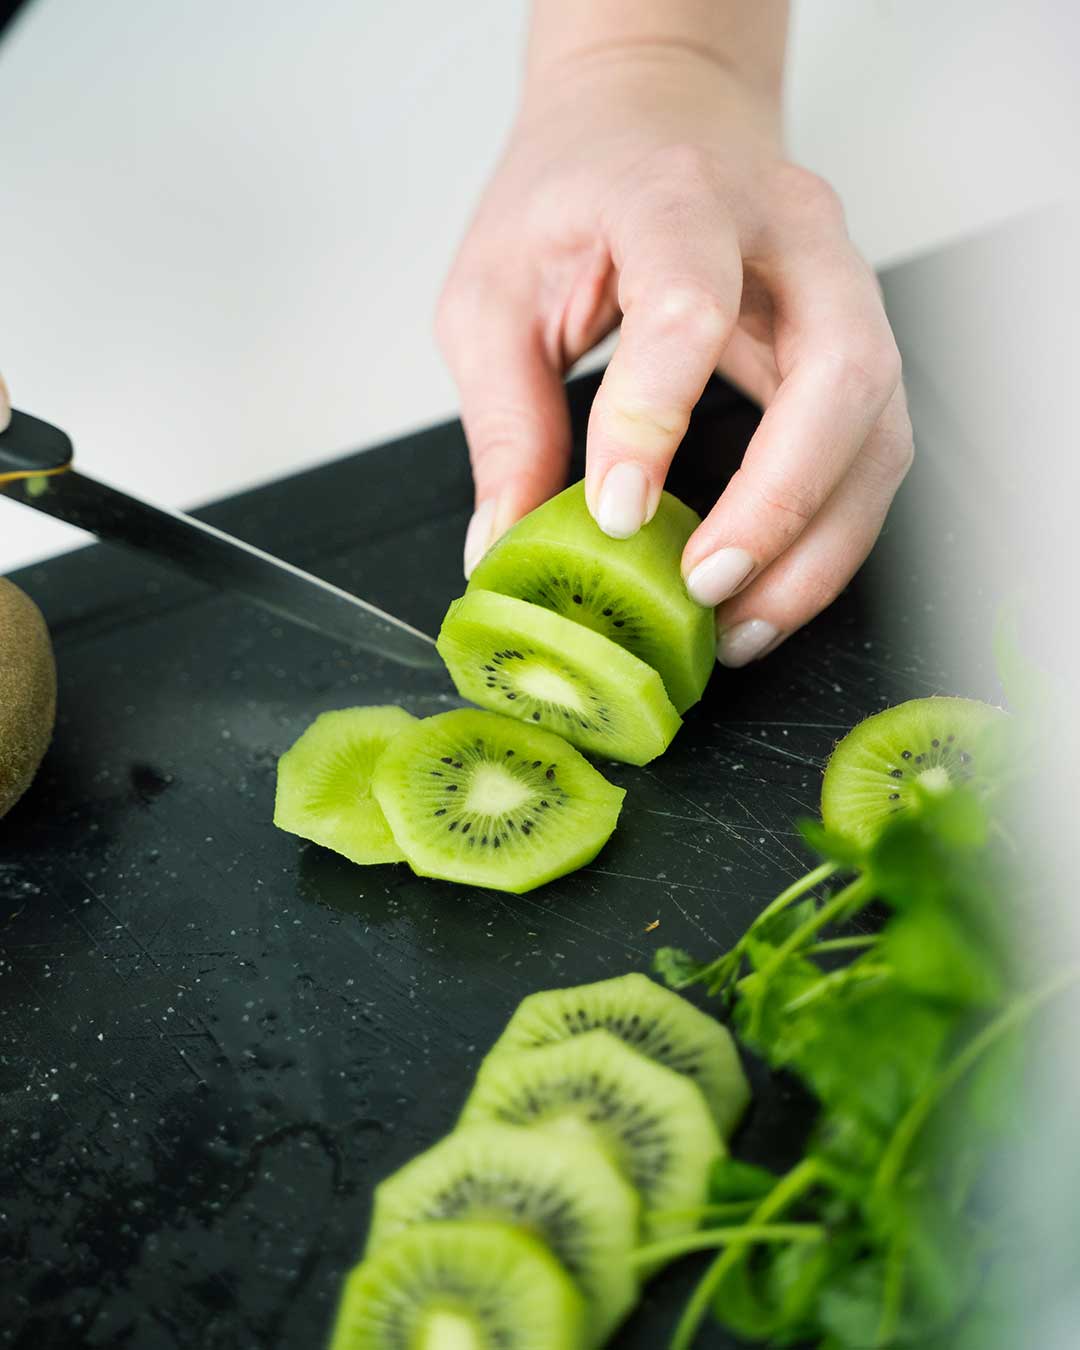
[467,796]
[592,1127]
[591,637]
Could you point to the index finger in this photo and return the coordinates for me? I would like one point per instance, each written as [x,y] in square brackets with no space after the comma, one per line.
[680,278]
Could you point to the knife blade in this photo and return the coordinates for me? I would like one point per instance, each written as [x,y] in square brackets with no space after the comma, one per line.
[35,469]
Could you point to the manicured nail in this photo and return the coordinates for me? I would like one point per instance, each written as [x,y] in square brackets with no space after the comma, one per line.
[5,405]
[746,642]
[478,535]
[718,576]
[624,500]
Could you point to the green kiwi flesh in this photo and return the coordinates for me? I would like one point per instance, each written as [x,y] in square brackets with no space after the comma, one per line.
[654,1021]
[654,1122]
[478,798]
[324,783]
[530,663]
[460,1286]
[27,692]
[889,761]
[628,590]
[564,1191]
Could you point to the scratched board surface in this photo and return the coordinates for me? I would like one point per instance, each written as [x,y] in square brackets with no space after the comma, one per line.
[214,1039]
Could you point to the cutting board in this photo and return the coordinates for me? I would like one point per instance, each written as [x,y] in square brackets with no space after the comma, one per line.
[215,1039]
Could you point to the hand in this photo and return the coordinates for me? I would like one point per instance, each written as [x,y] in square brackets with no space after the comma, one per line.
[5,405]
[648,182]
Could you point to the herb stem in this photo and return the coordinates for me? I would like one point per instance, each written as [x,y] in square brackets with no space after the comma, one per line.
[1018,1012]
[859,889]
[786,1191]
[732,1209]
[794,892]
[708,1238]
[843,944]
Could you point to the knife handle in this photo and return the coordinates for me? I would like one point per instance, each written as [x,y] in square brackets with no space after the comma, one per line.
[30,447]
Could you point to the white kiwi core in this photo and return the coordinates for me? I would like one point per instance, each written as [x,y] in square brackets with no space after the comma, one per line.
[445,1330]
[493,791]
[549,686]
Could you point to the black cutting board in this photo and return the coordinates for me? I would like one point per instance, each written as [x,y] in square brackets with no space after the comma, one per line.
[214,1040]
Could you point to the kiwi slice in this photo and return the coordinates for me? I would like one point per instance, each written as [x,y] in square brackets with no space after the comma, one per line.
[887,762]
[564,1191]
[27,692]
[628,590]
[324,783]
[460,1286]
[535,665]
[653,1122]
[478,798]
[658,1023]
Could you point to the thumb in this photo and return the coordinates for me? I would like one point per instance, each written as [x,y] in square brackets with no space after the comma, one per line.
[513,406]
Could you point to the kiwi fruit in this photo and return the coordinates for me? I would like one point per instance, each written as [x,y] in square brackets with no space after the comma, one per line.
[533,664]
[654,1021]
[628,590]
[564,1191]
[889,761]
[324,783]
[460,1286]
[27,692]
[478,798]
[653,1122]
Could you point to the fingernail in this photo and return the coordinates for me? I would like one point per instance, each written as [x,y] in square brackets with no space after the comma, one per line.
[5,405]
[718,576]
[746,642]
[624,501]
[478,535]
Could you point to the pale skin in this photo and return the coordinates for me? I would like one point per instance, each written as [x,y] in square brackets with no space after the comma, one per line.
[645,184]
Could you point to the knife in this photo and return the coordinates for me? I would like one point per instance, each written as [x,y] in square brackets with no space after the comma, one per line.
[36,469]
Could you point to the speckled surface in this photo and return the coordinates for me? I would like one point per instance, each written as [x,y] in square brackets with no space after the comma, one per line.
[215,1039]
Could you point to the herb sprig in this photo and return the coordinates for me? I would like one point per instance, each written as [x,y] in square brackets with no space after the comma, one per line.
[912,1039]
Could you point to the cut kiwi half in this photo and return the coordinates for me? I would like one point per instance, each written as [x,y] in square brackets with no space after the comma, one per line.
[532,664]
[654,1021]
[890,761]
[564,1191]
[324,783]
[460,1286]
[653,1122]
[478,798]
[628,590]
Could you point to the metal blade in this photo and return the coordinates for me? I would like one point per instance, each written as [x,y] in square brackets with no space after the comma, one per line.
[212,556]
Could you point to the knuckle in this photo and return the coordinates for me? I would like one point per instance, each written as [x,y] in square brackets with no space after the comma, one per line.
[457,310]
[893,455]
[811,590]
[681,162]
[688,309]
[788,505]
[869,365]
[802,190]
[500,436]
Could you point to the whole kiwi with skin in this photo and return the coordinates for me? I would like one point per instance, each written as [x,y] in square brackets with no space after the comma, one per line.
[27,692]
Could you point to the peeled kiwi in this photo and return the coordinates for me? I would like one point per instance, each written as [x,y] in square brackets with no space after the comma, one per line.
[460,1286]
[652,1020]
[628,590]
[564,1191]
[653,1122]
[324,783]
[482,799]
[27,692]
[531,663]
[889,761]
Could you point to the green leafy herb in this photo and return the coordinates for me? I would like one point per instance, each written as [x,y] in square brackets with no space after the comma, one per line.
[913,1040]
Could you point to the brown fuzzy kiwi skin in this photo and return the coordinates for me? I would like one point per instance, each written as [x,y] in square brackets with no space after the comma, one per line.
[27,692]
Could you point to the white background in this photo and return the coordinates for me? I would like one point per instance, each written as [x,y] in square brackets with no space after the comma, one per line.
[223,224]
